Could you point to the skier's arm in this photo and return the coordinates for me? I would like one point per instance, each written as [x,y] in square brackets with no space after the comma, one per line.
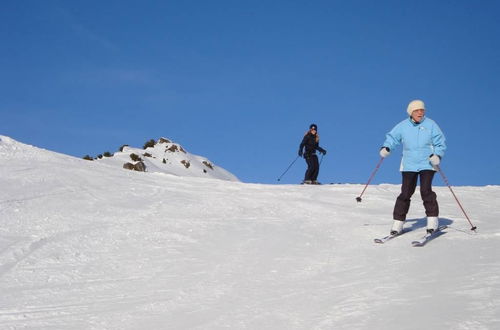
[438,141]
[301,147]
[393,138]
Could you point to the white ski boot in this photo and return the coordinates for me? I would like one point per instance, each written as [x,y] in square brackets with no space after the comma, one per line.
[397,227]
[432,224]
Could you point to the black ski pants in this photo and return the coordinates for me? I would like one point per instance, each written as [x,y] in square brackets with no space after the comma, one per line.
[408,188]
[312,168]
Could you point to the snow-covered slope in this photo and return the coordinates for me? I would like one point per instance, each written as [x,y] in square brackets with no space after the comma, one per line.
[168,157]
[84,246]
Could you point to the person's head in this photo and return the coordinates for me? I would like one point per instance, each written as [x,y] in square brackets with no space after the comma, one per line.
[313,128]
[416,110]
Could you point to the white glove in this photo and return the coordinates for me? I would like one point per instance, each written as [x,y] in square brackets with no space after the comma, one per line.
[384,152]
[435,160]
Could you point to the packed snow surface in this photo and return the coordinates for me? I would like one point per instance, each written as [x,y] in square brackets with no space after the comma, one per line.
[84,245]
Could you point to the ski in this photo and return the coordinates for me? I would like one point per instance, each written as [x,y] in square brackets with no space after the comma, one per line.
[389,237]
[428,237]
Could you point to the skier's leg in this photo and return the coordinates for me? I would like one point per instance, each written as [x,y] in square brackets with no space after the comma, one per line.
[430,199]
[428,196]
[315,168]
[308,174]
[402,204]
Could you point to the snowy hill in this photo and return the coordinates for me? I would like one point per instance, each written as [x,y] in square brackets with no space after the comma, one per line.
[165,156]
[84,246]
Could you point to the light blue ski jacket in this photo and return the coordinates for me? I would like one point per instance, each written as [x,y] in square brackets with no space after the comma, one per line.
[419,142]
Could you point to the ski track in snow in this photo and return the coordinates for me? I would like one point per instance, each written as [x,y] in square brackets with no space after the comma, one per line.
[85,246]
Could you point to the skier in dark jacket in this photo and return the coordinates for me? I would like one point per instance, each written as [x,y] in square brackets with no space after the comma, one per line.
[310,143]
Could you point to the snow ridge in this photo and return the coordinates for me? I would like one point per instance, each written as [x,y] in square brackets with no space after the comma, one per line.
[168,157]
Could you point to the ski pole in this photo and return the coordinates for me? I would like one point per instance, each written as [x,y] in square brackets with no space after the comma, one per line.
[358,199]
[473,228]
[288,167]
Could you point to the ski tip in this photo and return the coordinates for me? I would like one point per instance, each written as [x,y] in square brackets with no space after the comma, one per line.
[417,244]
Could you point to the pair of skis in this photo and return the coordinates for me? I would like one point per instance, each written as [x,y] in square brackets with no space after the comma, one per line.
[417,243]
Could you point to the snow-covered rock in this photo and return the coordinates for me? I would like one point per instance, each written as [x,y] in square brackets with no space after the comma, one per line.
[169,157]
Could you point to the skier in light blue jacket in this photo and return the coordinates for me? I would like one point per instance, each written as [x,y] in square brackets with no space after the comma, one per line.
[423,147]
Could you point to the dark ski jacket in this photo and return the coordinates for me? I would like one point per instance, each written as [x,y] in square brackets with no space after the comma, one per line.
[310,144]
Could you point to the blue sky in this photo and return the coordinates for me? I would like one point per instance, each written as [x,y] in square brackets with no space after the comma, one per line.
[239,82]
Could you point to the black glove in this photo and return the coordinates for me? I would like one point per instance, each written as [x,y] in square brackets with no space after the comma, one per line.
[300,152]
[323,151]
